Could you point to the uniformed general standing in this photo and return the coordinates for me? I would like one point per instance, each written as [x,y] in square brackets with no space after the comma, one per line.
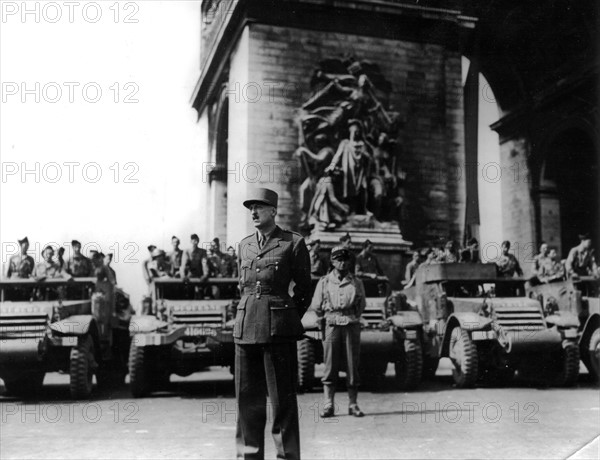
[340,298]
[267,326]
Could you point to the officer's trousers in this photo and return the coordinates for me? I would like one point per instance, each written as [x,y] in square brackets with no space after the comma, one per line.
[340,342]
[263,369]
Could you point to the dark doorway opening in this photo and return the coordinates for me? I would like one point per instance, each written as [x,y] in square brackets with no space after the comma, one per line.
[570,174]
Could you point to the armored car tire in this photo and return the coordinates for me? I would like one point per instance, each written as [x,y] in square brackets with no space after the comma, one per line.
[568,369]
[81,368]
[139,371]
[306,364]
[28,385]
[593,355]
[409,365]
[463,353]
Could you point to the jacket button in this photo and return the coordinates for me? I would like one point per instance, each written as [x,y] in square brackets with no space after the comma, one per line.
[258,270]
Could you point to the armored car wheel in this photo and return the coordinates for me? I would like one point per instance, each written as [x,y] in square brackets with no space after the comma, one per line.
[409,365]
[463,353]
[594,355]
[568,365]
[28,385]
[81,368]
[138,371]
[306,365]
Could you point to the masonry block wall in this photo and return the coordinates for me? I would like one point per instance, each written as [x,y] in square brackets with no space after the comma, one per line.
[427,92]
[517,205]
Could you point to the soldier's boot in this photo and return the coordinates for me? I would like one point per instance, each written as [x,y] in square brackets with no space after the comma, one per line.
[353,408]
[328,408]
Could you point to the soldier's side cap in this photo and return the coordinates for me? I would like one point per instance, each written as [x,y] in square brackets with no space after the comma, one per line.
[24,240]
[584,236]
[75,243]
[262,195]
[340,252]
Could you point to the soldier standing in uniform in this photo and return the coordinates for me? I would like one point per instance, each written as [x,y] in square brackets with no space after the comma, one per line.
[507,264]
[551,269]
[194,263]
[367,265]
[340,298]
[232,270]
[318,266]
[346,242]
[267,326]
[78,265]
[580,261]
[146,264]
[411,270]
[175,257]
[21,265]
[112,275]
[48,268]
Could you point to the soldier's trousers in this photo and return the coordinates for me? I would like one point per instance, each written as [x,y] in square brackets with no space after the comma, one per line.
[260,370]
[340,342]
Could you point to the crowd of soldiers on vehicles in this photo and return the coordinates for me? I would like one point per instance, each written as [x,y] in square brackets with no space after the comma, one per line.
[205,266]
[54,266]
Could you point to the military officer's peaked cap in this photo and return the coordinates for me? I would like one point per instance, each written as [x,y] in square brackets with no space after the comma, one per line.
[340,251]
[262,195]
[24,240]
[75,243]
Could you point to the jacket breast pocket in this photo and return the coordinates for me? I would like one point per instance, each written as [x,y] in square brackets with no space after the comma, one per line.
[285,320]
[240,315]
[244,271]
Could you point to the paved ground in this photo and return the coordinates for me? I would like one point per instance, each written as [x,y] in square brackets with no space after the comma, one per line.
[197,421]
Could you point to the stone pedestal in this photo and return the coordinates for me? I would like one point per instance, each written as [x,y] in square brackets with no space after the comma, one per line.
[389,246]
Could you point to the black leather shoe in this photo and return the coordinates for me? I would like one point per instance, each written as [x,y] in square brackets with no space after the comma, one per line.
[327,412]
[355,410]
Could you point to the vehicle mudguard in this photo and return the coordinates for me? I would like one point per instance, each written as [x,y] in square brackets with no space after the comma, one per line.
[407,319]
[145,323]
[470,321]
[592,323]
[74,325]
[563,319]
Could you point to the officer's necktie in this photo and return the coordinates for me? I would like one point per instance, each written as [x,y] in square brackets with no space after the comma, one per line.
[261,241]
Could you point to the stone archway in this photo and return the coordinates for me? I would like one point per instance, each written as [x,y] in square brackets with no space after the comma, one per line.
[568,192]
[218,176]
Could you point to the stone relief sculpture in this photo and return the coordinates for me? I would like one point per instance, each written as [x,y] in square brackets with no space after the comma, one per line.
[348,151]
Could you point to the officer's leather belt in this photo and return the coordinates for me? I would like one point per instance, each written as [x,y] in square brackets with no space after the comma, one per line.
[341,311]
[260,289]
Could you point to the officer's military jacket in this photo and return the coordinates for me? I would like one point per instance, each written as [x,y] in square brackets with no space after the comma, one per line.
[367,263]
[508,265]
[48,270]
[20,266]
[175,258]
[79,265]
[340,301]
[266,312]
[581,262]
